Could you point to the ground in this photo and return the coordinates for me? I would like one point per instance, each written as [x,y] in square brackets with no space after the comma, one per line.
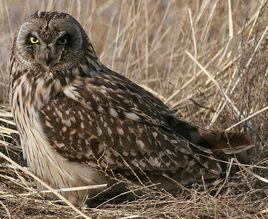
[206,59]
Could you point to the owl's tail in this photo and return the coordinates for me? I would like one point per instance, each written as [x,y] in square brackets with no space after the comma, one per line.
[216,140]
[227,141]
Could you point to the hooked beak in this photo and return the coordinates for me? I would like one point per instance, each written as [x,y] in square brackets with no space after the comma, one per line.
[47,57]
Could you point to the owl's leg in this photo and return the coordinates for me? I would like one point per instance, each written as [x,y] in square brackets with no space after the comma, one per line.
[115,193]
[77,198]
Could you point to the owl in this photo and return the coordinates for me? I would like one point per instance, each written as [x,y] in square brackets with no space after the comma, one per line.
[82,124]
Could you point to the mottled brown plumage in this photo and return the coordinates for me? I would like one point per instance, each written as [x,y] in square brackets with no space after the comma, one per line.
[82,124]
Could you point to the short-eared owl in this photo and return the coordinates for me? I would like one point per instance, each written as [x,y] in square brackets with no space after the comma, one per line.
[81,124]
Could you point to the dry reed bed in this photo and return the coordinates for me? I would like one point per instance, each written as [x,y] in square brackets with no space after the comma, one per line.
[206,59]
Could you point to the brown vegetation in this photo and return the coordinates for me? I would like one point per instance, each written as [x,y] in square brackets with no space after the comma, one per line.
[206,59]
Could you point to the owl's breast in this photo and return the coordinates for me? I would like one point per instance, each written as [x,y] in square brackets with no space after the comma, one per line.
[28,96]
[42,159]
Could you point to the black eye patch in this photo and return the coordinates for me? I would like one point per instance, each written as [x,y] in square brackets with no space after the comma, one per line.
[66,39]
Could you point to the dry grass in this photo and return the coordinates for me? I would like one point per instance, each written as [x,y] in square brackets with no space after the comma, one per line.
[206,59]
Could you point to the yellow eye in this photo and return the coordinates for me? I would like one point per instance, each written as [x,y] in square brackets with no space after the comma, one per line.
[34,40]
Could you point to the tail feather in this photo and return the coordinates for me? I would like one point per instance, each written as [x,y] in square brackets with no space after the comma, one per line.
[213,144]
[227,141]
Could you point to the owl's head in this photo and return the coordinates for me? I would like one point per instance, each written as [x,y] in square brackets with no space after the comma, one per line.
[52,40]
